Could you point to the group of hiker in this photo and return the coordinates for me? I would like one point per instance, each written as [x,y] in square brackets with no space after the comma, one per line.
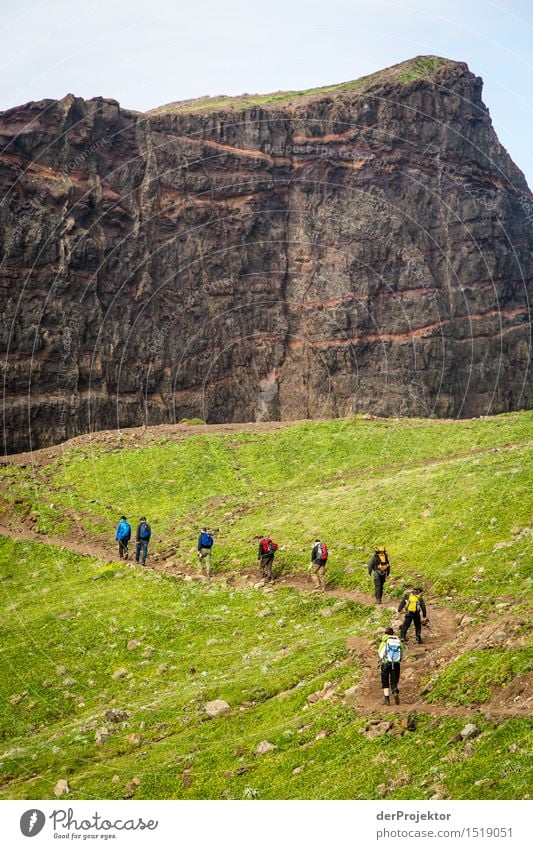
[391,648]
[142,539]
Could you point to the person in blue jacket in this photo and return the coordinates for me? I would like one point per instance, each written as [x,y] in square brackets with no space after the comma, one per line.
[123,536]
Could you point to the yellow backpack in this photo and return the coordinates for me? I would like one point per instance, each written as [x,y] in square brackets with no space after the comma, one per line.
[383,564]
[413,603]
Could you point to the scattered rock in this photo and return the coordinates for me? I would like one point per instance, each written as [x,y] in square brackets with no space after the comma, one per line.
[133,644]
[325,732]
[101,735]
[64,615]
[408,722]
[297,770]
[62,787]
[468,749]
[161,669]
[264,747]
[469,731]
[119,673]
[377,729]
[113,715]
[218,707]
[131,787]
[18,698]
[134,739]
[186,778]
[115,779]
[351,691]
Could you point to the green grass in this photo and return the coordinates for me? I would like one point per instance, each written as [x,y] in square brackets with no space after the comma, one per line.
[66,622]
[474,676]
[450,500]
[404,73]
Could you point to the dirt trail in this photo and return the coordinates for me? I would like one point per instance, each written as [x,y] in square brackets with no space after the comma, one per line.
[419,660]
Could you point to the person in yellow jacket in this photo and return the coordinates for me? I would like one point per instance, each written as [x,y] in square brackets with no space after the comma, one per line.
[415,605]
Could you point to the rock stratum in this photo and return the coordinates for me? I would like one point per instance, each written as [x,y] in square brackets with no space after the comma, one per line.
[361,248]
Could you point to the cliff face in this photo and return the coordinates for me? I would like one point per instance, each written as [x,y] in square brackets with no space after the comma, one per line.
[359,250]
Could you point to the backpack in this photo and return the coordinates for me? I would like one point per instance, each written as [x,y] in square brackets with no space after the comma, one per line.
[268,546]
[413,603]
[144,531]
[322,552]
[393,650]
[123,530]
[383,564]
[206,540]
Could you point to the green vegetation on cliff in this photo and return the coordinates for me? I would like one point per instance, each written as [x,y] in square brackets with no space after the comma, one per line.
[403,73]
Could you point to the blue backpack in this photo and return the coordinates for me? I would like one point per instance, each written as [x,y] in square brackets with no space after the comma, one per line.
[123,530]
[144,531]
[393,650]
[206,540]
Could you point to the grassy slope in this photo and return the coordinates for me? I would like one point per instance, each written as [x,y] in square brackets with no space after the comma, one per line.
[448,499]
[435,493]
[265,654]
[403,73]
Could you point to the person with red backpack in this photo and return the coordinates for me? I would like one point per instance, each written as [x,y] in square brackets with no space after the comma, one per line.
[267,550]
[380,566]
[319,557]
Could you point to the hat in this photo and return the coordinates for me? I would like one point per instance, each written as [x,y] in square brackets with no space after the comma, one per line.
[389,632]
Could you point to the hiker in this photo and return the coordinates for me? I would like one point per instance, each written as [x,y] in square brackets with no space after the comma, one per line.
[144,532]
[415,605]
[267,550]
[205,544]
[380,566]
[390,654]
[319,557]
[123,536]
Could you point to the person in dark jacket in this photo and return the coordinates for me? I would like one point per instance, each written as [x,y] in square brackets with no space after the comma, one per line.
[380,566]
[319,557]
[267,550]
[415,605]
[205,544]
[142,538]
[123,536]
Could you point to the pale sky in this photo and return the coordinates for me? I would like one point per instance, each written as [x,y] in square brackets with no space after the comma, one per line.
[145,53]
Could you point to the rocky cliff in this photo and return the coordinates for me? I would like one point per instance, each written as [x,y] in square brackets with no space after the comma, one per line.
[362,248]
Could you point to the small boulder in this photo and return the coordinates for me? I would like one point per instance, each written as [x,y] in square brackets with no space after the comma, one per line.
[133,644]
[62,787]
[113,715]
[264,747]
[119,673]
[101,735]
[377,730]
[468,731]
[218,707]
[131,787]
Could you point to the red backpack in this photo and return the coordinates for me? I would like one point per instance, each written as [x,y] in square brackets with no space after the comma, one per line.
[268,546]
[323,552]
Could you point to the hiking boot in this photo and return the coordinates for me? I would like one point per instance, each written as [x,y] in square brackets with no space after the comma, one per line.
[386,700]
[378,601]
[419,641]
[396,698]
